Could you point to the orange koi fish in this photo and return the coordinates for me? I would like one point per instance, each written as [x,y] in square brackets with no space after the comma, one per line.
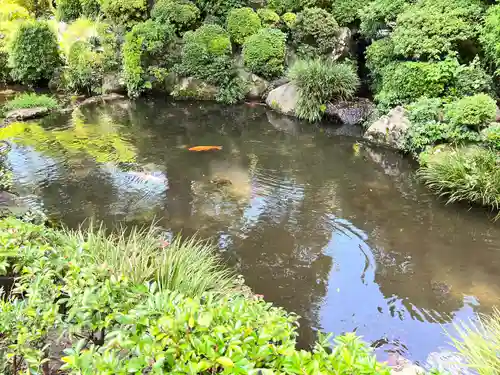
[205,148]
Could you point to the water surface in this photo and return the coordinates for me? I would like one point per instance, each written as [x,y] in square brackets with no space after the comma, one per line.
[339,232]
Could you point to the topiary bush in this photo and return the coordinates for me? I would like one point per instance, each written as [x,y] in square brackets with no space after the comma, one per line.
[476,111]
[84,70]
[268,17]
[181,13]
[378,15]
[241,23]
[319,81]
[33,52]
[125,12]
[346,11]
[435,28]
[148,53]
[289,20]
[91,8]
[315,31]
[264,53]
[68,10]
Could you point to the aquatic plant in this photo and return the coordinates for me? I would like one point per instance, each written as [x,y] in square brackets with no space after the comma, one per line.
[31,100]
[478,343]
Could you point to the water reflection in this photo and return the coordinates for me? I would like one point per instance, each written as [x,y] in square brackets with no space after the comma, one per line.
[342,234]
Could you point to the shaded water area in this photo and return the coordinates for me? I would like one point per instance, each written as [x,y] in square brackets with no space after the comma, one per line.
[341,233]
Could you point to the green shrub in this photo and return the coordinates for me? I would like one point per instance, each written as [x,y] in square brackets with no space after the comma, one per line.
[68,10]
[91,8]
[39,8]
[125,12]
[425,110]
[284,6]
[31,100]
[346,11]
[148,53]
[268,17]
[181,13]
[218,10]
[491,136]
[473,111]
[315,31]
[13,12]
[264,53]
[465,174]
[241,23]
[109,43]
[377,15]
[289,19]
[84,71]
[33,53]
[379,56]
[434,28]
[319,81]
[470,79]
[490,35]
[477,343]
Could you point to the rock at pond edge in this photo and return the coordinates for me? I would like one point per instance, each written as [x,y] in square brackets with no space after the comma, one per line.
[389,130]
[26,114]
[193,88]
[283,99]
[350,112]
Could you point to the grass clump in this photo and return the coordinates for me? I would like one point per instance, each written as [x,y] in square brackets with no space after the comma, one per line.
[319,81]
[31,100]
[465,174]
[478,343]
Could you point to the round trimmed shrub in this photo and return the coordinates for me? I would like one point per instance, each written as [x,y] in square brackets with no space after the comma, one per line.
[268,17]
[289,19]
[33,52]
[315,31]
[241,23]
[68,10]
[84,71]
[91,8]
[346,11]
[264,53]
[283,6]
[181,13]
[472,111]
[125,12]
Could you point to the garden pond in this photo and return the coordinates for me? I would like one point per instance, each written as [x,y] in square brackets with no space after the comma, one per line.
[324,225]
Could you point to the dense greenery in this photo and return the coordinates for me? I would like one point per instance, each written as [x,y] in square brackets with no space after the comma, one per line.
[30,100]
[181,13]
[241,23]
[80,285]
[84,70]
[264,53]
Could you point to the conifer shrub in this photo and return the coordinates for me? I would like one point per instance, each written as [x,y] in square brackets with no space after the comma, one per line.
[91,8]
[181,13]
[84,70]
[125,12]
[315,31]
[268,17]
[475,112]
[346,11]
[264,53]
[379,15]
[241,23]
[68,10]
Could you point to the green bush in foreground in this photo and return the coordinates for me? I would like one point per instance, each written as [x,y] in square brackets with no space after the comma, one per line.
[468,174]
[84,71]
[133,327]
[125,12]
[33,52]
[314,31]
[241,23]
[319,81]
[181,13]
[478,342]
[473,111]
[264,53]
[31,100]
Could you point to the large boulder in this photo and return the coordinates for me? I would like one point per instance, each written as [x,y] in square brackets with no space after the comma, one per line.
[193,88]
[390,130]
[283,99]
[350,112]
[26,114]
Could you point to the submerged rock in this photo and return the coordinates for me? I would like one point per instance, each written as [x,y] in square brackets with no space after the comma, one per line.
[26,114]
[283,99]
[350,112]
[102,99]
[390,130]
[193,88]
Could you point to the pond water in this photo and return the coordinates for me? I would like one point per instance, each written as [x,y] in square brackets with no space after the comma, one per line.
[335,230]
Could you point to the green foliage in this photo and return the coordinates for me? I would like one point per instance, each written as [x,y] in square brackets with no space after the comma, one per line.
[12,12]
[466,174]
[148,53]
[470,79]
[6,178]
[319,81]
[315,31]
[241,23]
[346,11]
[68,10]
[31,100]
[218,9]
[268,17]
[39,8]
[477,343]
[33,52]
[84,71]
[472,111]
[125,12]
[91,8]
[377,15]
[434,28]
[491,136]
[264,53]
[425,110]
[289,19]
[379,55]
[283,6]
[181,13]
[490,35]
